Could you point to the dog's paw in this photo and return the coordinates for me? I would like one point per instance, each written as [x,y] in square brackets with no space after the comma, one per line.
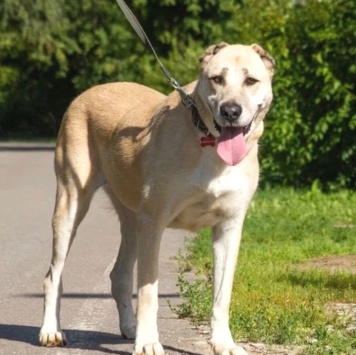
[149,349]
[227,347]
[223,350]
[56,338]
[128,332]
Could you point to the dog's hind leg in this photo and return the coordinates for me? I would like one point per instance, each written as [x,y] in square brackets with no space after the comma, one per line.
[76,184]
[122,272]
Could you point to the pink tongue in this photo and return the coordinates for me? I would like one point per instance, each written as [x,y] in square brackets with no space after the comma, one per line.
[231,145]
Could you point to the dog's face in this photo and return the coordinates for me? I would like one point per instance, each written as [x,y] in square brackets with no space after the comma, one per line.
[235,85]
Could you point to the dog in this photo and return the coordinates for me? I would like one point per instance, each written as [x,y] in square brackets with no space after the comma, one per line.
[163,165]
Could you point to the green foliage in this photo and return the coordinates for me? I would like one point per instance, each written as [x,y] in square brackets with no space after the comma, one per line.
[51,50]
[312,125]
[275,300]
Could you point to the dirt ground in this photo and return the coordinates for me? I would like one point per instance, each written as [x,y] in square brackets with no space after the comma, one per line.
[332,264]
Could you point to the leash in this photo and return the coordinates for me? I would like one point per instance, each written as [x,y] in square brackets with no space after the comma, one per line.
[187,100]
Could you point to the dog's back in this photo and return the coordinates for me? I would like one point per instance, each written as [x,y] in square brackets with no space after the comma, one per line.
[105,109]
[97,124]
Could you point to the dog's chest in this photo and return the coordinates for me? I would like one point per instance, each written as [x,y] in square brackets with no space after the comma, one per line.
[213,197]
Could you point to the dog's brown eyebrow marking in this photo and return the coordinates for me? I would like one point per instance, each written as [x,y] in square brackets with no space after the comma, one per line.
[224,71]
[245,71]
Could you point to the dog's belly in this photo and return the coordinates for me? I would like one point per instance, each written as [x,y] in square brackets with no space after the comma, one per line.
[216,194]
[222,199]
[197,216]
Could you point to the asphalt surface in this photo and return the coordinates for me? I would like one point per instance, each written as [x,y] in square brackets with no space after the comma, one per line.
[89,316]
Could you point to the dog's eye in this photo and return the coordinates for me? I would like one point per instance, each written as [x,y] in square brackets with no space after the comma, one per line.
[218,79]
[250,81]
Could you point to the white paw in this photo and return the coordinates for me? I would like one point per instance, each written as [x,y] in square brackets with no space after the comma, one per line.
[221,349]
[56,338]
[149,349]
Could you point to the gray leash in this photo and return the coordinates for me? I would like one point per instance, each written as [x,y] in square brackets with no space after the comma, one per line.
[186,99]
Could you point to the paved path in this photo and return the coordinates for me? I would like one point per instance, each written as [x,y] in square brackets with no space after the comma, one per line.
[89,316]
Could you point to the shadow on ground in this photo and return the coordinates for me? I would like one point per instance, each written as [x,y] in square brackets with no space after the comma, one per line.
[77,339]
[91,295]
[6,147]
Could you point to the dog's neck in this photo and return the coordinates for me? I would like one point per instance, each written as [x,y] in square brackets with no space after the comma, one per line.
[198,122]
[202,117]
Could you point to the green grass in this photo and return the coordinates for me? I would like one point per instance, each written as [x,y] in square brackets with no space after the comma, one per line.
[273,300]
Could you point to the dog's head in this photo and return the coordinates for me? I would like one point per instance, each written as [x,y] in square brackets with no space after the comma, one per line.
[235,85]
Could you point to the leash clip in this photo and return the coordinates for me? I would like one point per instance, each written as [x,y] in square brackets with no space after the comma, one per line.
[187,101]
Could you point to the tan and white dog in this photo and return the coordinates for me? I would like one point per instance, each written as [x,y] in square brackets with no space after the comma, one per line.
[145,150]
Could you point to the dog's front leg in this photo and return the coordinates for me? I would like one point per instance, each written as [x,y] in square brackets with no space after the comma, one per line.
[226,243]
[148,239]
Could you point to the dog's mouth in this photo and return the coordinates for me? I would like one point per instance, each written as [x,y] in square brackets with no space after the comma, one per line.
[245,129]
[232,146]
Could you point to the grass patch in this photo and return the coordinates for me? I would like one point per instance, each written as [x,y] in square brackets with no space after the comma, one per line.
[273,300]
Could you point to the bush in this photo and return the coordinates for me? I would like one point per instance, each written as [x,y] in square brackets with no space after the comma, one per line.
[311,129]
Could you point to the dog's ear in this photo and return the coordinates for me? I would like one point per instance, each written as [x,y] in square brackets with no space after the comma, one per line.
[211,51]
[266,57]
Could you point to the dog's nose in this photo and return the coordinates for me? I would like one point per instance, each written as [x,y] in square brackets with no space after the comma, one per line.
[230,112]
